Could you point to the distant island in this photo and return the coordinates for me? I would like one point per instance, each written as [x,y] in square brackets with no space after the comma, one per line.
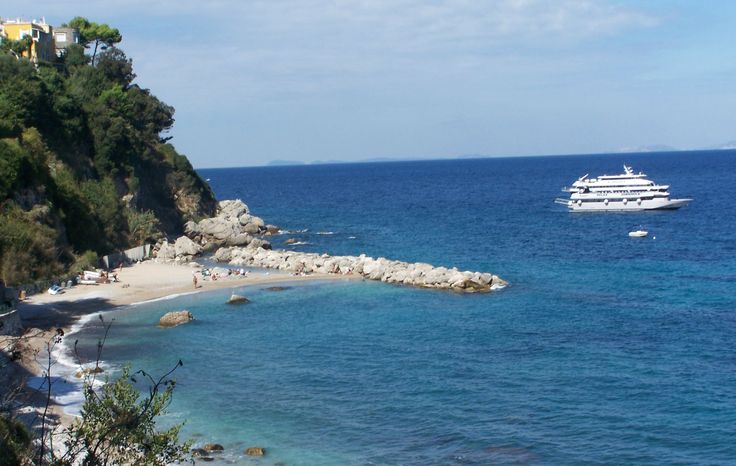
[623,150]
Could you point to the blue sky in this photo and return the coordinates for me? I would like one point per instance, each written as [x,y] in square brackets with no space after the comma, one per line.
[255,81]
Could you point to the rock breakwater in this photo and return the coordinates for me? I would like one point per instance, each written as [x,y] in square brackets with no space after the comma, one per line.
[389,271]
[234,235]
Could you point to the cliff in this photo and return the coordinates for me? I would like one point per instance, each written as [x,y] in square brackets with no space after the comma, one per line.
[85,167]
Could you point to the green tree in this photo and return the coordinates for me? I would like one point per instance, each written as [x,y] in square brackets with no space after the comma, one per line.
[21,96]
[10,160]
[116,67]
[102,35]
[75,56]
[16,48]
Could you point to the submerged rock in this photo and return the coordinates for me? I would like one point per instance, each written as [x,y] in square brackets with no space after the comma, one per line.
[88,371]
[277,288]
[174,318]
[213,447]
[237,299]
[255,451]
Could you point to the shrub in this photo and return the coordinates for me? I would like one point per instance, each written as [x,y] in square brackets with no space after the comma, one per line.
[86,261]
[117,425]
[15,442]
[27,248]
[142,226]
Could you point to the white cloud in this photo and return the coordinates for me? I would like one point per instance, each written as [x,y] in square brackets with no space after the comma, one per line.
[270,43]
[364,66]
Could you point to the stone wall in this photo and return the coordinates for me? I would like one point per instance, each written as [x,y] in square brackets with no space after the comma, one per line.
[10,323]
[138,253]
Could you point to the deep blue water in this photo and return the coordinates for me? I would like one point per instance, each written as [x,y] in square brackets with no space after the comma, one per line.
[605,349]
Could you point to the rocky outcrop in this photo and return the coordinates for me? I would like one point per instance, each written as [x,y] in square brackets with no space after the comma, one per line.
[182,250]
[385,270]
[232,226]
[172,319]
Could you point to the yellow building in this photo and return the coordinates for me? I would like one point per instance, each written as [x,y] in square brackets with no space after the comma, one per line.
[42,45]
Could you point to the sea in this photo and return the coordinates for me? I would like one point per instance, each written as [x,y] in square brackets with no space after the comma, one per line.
[603,350]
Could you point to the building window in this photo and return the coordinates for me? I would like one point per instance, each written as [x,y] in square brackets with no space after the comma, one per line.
[60,37]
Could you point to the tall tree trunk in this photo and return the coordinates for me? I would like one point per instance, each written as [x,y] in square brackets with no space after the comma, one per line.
[97,42]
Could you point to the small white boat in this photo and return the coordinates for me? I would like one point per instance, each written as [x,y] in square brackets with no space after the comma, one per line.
[638,233]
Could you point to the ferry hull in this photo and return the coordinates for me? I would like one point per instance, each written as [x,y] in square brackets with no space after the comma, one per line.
[630,206]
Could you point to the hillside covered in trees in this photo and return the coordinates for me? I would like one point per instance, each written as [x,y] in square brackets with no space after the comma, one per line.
[85,166]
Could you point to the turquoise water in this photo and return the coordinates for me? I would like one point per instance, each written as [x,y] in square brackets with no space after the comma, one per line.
[604,350]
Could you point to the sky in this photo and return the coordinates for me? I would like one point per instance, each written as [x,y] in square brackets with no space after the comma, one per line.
[306,80]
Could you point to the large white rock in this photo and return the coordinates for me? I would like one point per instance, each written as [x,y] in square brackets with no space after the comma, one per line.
[167,252]
[224,254]
[240,239]
[186,247]
[172,319]
[232,208]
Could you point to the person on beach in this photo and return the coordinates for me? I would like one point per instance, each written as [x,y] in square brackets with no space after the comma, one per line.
[194,279]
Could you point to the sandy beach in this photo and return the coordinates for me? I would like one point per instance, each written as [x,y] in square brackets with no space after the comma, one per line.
[140,282]
[43,314]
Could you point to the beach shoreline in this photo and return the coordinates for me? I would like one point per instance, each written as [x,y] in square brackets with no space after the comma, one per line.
[44,315]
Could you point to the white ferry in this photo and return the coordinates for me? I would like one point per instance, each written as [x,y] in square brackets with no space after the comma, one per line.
[626,192]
